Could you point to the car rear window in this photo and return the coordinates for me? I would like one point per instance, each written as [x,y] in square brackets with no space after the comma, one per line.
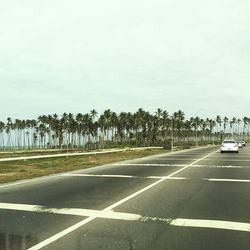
[229,142]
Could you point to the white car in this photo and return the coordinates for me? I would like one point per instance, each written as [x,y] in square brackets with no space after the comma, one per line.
[229,146]
[243,143]
[240,144]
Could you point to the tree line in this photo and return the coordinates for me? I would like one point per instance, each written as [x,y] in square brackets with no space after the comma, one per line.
[141,128]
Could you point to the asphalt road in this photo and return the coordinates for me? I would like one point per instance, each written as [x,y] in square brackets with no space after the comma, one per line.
[194,199]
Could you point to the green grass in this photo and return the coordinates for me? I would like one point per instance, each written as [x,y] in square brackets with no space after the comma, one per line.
[26,169]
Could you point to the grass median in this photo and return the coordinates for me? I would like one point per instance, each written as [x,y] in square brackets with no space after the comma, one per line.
[26,169]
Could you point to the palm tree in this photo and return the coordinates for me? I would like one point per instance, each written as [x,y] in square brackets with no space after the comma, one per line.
[245,122]
[2,127]
[8,129]
[233,122]
[219,122]
[238,126]
[225,122]
[93,114]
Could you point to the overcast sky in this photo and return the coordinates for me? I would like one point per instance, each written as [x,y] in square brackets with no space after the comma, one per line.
[77,55]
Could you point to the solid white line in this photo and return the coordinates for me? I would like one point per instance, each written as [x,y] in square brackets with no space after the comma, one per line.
[227,180]
[177,165]
[180,222]
[174,159]
[85,221]
[59,155]
[150,165]
[122,176]
[75,154]
[225,166]
[216,224]
[99,175]
[236,160]
[70,211]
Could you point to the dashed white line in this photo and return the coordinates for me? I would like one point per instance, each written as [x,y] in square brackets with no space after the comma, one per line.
[149,165]
[227,180]
[178,165]
[221,166]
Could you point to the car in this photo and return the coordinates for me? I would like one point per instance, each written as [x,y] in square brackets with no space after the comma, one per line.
[229,146]
[243,143]
[240,144]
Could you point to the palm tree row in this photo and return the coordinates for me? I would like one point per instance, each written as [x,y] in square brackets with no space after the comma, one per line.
[141,128]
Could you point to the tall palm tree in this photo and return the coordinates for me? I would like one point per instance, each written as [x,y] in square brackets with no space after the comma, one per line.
[225,122]
[2,127]
[233,122]
[8,129]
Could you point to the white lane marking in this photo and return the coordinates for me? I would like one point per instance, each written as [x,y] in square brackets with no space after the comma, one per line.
[58,155]
[74,154]
[236,160]
[100,175]
[180,222]
[122,176]
[225,166]
[226,180]
[153,177]
[178,165]
[89,219]
[216,224]
[21,207]
[70,211]
[174,159]
[150,165]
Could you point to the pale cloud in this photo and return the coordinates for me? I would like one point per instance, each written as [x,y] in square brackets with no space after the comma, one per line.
[74,56]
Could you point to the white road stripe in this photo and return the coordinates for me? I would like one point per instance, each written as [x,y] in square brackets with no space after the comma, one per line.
[150,165]
[174,159]
[74,154]
[100,175]
[216,224]
[85,221]
[178,165]
[122,176]
[236,160]
[70,211]
[225,166]
[227,180]
[180,222]
[153,177]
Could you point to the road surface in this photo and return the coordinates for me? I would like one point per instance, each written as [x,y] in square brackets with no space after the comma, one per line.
[193,199]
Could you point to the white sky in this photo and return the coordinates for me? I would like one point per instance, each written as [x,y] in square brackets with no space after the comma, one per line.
[77,55]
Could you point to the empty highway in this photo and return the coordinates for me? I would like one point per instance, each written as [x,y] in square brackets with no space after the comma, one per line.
[192,199]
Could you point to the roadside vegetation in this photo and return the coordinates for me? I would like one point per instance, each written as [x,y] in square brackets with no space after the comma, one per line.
[108,130]
[69,133]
